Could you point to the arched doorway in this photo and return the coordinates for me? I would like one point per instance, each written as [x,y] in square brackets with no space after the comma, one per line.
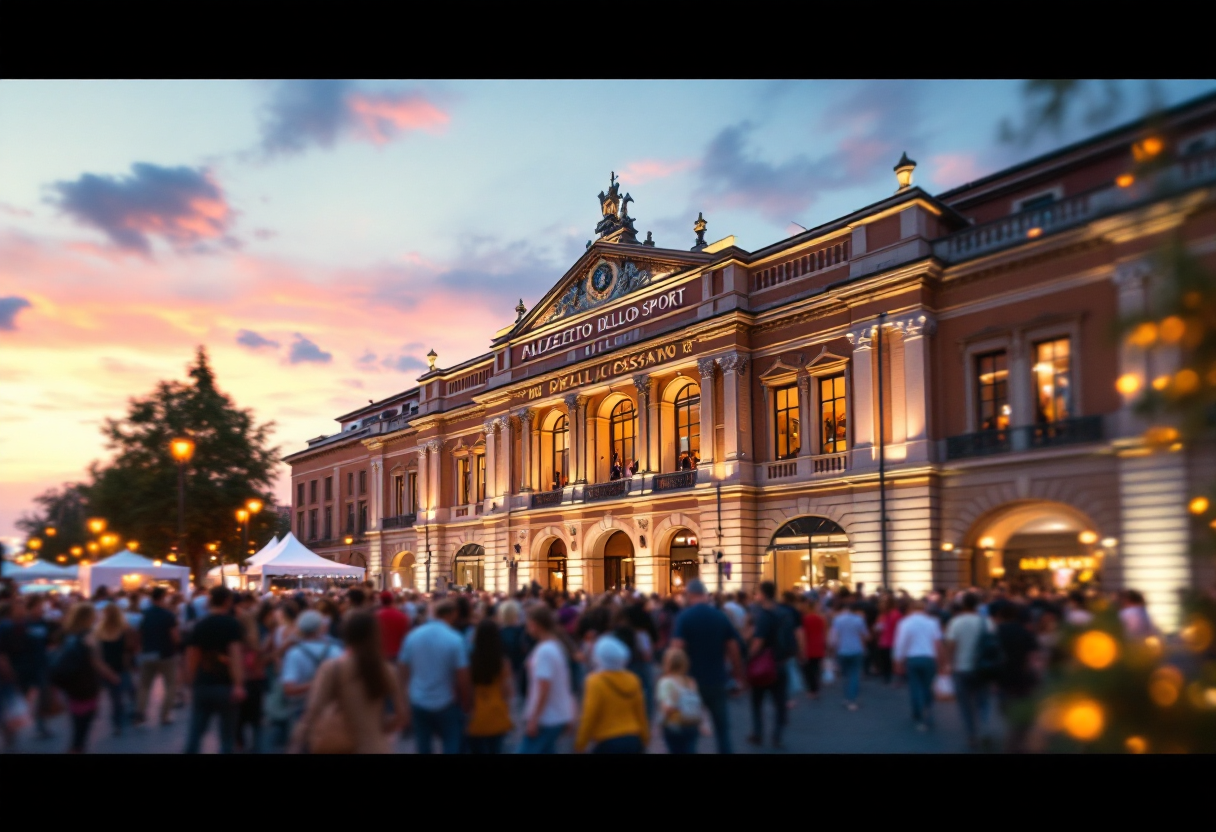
[402,576]
[1037,544]
[683,554]
[618,563]
[808,552]
[556,566]
[468,567]
[358,559]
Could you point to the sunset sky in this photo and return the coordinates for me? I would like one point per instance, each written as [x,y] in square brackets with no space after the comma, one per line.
[320,236]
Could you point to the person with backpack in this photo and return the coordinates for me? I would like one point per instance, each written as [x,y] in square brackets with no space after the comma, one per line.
[772,645]
[680,704]
[78,670]
[311,648]
[961,649]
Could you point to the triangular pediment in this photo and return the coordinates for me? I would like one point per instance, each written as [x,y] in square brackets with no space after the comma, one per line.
[825,359]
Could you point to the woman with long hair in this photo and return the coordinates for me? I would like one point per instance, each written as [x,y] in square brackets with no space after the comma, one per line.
[258,650]
[114,639]
[346,709]
[490,668]
[79,672]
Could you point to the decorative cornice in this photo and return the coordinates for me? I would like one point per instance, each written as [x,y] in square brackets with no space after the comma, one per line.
[862,338]
[706,366]
[571,401]
[490,425]
[434,445]
[915,324]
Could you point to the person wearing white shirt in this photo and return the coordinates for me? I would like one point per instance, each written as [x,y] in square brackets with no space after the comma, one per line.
[917,644]
[549,708]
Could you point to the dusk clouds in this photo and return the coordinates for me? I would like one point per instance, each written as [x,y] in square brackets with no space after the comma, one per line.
[302,114]
[304,351]
[182,206]
[9,307]
[250,339]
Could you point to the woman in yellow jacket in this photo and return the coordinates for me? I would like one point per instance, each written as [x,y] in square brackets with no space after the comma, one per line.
[614,708]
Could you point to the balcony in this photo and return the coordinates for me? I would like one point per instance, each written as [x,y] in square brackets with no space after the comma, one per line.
[606,490]
[783,470]
[401,521]
[1025,438]
[541,499]
[830,463]
[674,482]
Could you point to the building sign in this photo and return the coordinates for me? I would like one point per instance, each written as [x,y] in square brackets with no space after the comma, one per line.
[1040,564]
[627,363]
[625,316]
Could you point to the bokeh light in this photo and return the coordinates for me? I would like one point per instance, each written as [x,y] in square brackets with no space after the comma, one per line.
[1128,384]
[1144,335]
[1165,685]
[1198,505]
[1172,329]
[1084,720]
[1097,649]
[1136,745]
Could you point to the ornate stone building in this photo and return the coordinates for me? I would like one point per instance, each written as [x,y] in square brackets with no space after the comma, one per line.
[948,362]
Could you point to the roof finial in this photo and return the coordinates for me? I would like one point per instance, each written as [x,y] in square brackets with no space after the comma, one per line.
[903,172]
[699,226]
[430,358]
[649,241]
[520,311]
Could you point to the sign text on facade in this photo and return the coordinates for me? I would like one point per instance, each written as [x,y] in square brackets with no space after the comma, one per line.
[604,323]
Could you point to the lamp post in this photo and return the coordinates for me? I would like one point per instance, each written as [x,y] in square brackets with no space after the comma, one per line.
[242,517]
[182,450]
[253,506]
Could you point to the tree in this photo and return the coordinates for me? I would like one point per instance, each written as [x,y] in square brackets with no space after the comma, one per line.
[63,509]
[137,492]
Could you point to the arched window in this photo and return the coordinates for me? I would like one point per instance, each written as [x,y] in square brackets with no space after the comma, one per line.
[561,452]
[688,428]
[623,416]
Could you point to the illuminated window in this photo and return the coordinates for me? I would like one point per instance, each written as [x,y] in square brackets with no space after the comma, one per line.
[481,477]
[623,424]
[413,485]
[833,419]
[398,494]
[992,388]
[1053,393]
[561,452]
[688,427]
[463,485]
[786,420]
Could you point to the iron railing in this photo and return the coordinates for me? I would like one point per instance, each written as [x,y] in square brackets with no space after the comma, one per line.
[980,443]
[547,498]
[673,482]
[1026,437]
[401,521]
[606,490]
[1066,432]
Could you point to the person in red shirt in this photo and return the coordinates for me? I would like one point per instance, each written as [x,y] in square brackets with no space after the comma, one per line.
[889,615]
[394,626]
[814,628]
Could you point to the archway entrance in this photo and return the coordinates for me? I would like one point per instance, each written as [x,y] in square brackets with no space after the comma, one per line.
[1040,545]
[402,576]
[808,552]
[556,566]
[468,567]
[685,564]
[618,563]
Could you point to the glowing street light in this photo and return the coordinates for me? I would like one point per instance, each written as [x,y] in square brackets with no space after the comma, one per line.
[97,525]
[254,505]
[51,531]
[182,449]
[93,548]
[34,543]
[132,545]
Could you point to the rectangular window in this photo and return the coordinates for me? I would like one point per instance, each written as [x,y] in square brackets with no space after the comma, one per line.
[329,488]
[329,522]
[1037,203]
[350,518]
[312,491]
[398,495]
[350,483]
[312,524]
[481,477]
[413,487]
[362,516]
[463,486]
[992,391]
[786,422]
[1053,394]
[300,530]
[832,414]
[362,482]
[300,495]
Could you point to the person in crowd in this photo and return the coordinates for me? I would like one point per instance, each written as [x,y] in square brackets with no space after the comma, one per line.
[79,671]
[711,643]
[814,645]
[772,633]
[549,704]
[1076,610]
[490,671]
[847,638]
[258,652]
[614,707]
[1133,615]
[160,637]
[916,652]
[641,662]
[25,637]
[679,704]
[116,643]
[514,641]
[959,649]
[346,706]
[434,669]
[309,649]
[885,624]
[1016,679]
[215,671]
[394,626]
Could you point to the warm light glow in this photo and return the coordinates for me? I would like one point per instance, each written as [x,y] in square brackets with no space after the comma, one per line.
[1097,649]
[1124,180]
[156,563]
[1144,335]
[97,525]
[987,543]
[947,547]
[1128,384]
[182,449]
[76,551]
[1172,329]
[1136,745]
[1109,542]
[1197,635]
[62,558]
[51,531]
[1088,537]
[172,558]
[254,506]
[997,571]
[132,545]
[93,547]
[84,562]
[1034,232]
[1198,505]
[1161,382]
[242,515]
[1165,685]
[1186,381]
[1147,149]
[34,543]
[214,558]
[1085,720]
[349,540]
[211,547]
[1160,435]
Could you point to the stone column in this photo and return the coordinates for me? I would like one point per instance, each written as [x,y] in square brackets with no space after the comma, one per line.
[807,419]
[525,450]
[708,418]
[422,483]
[373,521]
[503,477]
[654,416]
[575,474]
[862,340]
[734,371]
[641,383]
[491,428]
[436,448]
[916,383]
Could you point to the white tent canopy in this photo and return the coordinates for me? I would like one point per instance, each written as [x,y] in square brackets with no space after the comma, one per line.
[38,570]
[293,558]
[110,572]
[233,570]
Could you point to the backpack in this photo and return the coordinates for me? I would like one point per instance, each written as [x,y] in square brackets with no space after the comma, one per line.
[989,657]
[689,705]
[783,643]
[72,670]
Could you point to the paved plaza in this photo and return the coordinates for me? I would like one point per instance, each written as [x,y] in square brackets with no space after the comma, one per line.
[882,725]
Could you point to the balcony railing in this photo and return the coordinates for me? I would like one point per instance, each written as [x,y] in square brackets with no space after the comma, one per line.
[606,490]
[830,463]
[781,470]
[1024,438]
[541,499]
[673,482]
[401,521]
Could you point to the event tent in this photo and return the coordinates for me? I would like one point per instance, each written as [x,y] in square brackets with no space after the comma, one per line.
[233,570]
[38,570]
[293,558]
[110,572]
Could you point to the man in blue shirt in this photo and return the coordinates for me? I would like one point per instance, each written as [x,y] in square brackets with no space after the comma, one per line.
[710,640]
[434,668]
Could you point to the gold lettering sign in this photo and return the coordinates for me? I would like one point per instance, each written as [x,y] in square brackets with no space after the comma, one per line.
[1041,564]
[632,362]
[652,306]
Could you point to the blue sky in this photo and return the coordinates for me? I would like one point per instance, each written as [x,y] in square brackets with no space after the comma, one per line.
[320,237]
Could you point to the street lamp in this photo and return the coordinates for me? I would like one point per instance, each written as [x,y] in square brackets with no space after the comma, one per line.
[182,450]
[242,517]
[97,525]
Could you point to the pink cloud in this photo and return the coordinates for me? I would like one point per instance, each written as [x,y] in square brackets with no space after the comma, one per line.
[947,170]
[380,117]
[647,170]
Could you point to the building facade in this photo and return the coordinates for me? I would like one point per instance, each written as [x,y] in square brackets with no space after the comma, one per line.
[947,362]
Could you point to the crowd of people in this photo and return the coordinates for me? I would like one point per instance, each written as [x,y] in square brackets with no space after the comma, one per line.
[351,670]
